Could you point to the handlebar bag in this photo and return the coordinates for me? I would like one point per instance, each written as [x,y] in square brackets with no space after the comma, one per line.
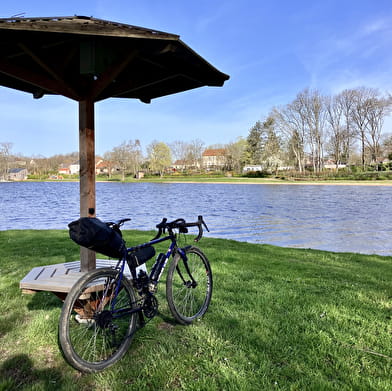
[98,236]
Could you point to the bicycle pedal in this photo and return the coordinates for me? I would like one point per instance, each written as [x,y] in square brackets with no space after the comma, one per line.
[81,320]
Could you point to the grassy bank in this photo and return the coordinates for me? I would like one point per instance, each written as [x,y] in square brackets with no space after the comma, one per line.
[366,178]
[280,319]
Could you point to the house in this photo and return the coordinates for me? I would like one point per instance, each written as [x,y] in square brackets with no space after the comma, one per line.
[179,165]
[256,167]
[74,168]
[17,174]
[214,158]
[331,165]
[103,167]
[64,170]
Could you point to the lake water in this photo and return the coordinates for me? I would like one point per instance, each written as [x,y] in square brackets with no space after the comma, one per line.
[327,217]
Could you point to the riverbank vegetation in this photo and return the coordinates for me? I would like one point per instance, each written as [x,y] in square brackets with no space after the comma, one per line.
[280,319]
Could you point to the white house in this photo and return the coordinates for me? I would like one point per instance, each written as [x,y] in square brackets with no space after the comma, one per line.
[74,168]
[213,158]
[257,167]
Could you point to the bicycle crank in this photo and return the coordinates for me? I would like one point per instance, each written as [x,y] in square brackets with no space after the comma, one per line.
[150,306]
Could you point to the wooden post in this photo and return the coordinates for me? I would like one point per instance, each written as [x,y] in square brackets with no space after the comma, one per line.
[87,174]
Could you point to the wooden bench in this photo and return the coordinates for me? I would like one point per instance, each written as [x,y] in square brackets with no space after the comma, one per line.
[60,278]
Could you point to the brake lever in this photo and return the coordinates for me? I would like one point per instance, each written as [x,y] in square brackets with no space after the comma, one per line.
[204,223]
[161,228]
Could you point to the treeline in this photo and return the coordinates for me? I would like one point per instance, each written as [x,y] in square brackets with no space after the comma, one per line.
[305,134]
[345,128]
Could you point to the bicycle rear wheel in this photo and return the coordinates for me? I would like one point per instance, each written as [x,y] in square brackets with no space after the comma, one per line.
[96,323]
[189,286]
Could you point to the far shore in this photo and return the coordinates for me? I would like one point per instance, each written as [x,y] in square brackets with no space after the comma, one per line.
[318,183]
[237,181]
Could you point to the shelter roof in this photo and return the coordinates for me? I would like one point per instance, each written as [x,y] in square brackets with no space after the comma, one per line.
[85,58]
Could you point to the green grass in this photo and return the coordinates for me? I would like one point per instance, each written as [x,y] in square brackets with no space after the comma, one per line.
[280,319]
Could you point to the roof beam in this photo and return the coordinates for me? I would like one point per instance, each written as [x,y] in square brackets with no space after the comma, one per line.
[48,69]
[40,81]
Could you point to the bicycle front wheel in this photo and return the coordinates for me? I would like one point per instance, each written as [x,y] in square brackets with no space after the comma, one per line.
[97,321]
[189,286]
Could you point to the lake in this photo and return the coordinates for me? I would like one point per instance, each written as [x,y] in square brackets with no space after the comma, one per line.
[327,217]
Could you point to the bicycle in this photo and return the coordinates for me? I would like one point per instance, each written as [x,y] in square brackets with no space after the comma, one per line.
[105,308]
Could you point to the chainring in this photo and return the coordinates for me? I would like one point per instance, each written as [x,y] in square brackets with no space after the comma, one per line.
[150,306]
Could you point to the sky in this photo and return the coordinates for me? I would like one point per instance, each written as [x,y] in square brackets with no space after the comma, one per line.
[272,50]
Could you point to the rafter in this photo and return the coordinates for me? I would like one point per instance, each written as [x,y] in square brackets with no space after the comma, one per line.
[36,79]
[48,69]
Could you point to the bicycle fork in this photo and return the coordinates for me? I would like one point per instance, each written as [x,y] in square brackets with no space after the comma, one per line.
[187,283]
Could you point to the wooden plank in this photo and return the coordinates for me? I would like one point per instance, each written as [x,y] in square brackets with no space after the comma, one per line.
[61,277]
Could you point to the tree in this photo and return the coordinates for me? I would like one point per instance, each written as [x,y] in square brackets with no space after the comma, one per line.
[360,116]
[189,153]
[271,154]
[179,150]
[386,145]
[235,155]
[290,121]
[194,153]
[5,152]
[346,100]
[335,118]
[255,144]
[378,108]
[127,156]
[313,111]
[159,157]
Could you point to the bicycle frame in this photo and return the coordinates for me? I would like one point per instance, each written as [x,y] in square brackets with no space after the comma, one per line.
[170,251]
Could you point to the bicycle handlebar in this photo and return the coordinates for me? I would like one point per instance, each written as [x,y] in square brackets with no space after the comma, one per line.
[179,224]
[182,225]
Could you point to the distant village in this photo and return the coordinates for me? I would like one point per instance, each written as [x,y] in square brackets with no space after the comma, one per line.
[211,160]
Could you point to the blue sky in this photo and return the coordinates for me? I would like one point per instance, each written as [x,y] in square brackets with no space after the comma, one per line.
[272,49]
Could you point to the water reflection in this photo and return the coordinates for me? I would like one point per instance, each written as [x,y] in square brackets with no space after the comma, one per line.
[336,218]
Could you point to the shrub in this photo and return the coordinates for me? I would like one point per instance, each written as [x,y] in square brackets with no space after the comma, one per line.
[256,174]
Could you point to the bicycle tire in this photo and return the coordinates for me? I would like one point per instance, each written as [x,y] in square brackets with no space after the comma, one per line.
[90,337]
[187,300]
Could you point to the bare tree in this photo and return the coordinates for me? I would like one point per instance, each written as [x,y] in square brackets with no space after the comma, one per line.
[5,152]
[360,116]
[313,110]
[194,153]
[127,157]
[377,109]
[346,100]
[290,121]
[335,118]
[179,150]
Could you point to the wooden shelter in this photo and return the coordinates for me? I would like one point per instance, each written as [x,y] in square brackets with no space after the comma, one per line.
[88,60]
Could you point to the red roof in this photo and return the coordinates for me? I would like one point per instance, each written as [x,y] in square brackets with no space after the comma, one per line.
[214,152]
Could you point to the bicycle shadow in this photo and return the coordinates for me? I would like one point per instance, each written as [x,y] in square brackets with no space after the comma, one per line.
[18,372]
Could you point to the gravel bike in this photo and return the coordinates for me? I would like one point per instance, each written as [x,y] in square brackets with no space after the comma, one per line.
[105,307]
